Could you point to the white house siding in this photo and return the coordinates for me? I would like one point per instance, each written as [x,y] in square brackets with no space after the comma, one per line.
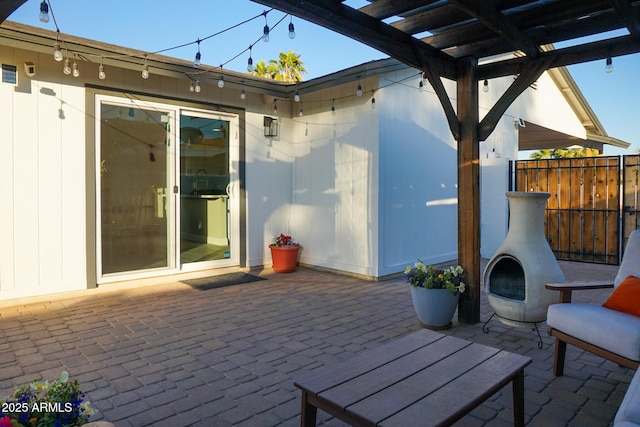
[366,191]
[335,180]
[269,169]
[418,175]
[42,168]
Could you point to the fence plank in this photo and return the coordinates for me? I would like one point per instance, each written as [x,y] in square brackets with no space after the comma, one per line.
[582,215]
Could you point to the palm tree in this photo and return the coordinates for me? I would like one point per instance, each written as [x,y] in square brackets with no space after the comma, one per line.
[560,153]
[263,70]
[287,68]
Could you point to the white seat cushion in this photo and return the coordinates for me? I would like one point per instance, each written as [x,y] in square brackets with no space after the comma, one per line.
[629,411]
[609,329]
[630,265]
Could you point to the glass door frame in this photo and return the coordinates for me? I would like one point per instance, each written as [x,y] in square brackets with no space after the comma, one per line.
[173,152]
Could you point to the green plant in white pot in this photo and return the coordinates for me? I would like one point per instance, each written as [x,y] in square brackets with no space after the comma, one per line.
[435,293]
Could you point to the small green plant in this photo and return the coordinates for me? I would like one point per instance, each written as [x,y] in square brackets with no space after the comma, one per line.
[43,404]
[430,277]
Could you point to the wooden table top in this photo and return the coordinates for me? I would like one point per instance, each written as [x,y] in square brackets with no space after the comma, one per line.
[422,376]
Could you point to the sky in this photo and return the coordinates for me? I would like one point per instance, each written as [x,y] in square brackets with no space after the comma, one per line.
[154,25]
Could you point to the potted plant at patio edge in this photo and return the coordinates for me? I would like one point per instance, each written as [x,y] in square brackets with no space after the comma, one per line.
[284,253]
[435,293]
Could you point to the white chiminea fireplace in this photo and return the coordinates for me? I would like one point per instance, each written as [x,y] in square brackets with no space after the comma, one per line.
[514,278]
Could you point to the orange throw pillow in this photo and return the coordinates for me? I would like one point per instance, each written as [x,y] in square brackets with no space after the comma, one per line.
[626,297]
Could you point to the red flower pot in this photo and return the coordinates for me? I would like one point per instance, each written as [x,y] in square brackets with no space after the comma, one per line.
[284,258]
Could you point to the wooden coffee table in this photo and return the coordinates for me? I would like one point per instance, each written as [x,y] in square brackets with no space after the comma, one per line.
[425,378]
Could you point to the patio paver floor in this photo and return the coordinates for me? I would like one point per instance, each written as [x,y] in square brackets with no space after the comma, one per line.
[170,355]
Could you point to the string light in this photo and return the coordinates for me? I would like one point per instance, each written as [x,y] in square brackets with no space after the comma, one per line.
[145,69]
[265,31]
[243,94]
[373,99]
[101,74]
[197,86]
[75,70]
[333,107]
[359,89]
[275,106]
[67,67]
[485,86]
[192,88]
[609,65]
[250,61]
[296,96]
[44,12]
[57,53]
[421,85]
[196,62]
[301,112]
[59,56]
[221,80]
[292,29]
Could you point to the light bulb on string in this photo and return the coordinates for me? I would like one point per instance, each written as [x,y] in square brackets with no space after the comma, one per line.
[421,85]
[359,88]
[265,31]
[275,106]
[196,62]
[333,107]
[609,65]
[250,62]
[145,69]
[67,67]
[485,86]
[292,29]
[44,12]
[197,86]
[101,74]
[221,79]
[74,69]
[192,88]
[296,96]
[373,99]
[243,94]
[301,112]
[57,53]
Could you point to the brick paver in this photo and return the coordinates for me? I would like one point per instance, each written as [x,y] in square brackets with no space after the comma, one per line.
[165,354]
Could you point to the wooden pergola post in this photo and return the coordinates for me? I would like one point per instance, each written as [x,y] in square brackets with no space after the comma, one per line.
[469,188]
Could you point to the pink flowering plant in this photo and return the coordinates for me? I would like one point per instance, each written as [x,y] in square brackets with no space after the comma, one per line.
[430,277]
[284,241]
[46,404]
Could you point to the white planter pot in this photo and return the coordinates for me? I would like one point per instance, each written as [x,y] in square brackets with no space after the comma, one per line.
[434,307]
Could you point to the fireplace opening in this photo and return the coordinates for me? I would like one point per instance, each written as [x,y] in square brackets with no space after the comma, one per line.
[506,279]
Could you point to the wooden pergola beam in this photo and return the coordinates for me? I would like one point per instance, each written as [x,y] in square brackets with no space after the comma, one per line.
[598,50]
[493,19]
[469,188]
[370,31]
[382,9]
[530,74]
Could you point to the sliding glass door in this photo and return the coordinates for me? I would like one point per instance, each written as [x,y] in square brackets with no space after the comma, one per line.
[135,177]
[205,182]
[165,180]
